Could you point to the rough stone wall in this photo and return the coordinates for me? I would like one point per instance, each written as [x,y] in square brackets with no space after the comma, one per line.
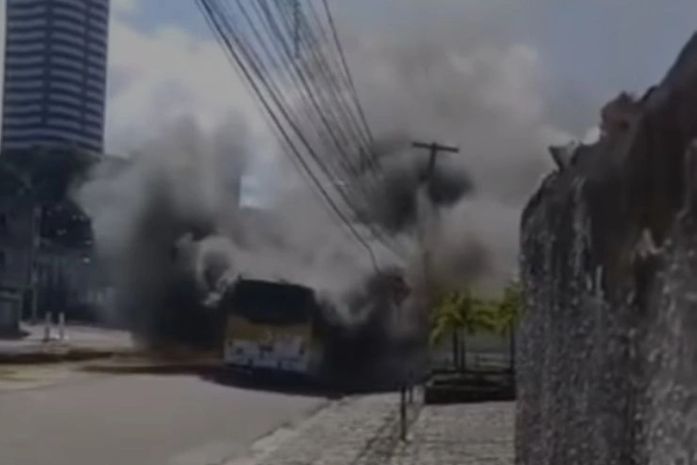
[607,368]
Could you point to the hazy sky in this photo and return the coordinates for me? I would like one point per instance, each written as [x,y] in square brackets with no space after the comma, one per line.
[163,60]
[589,49]
[500,78]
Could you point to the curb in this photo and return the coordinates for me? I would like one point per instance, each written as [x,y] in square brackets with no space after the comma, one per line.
[49,355]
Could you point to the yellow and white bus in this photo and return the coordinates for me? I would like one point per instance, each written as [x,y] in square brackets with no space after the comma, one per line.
[272,327]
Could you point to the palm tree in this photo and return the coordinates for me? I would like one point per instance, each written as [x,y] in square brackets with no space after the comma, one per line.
[508,312]
[460,314]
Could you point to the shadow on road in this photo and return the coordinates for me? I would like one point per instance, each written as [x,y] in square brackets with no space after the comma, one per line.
[146,369]
[215,373]
[281,384]
[53,354]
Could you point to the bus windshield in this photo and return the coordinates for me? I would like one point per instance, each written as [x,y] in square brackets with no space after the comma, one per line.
[271,303]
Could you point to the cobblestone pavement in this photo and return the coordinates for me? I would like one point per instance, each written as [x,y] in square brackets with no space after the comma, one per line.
[469,434]
[366,431]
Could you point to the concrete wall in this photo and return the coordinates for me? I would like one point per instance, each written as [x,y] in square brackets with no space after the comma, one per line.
[607,370]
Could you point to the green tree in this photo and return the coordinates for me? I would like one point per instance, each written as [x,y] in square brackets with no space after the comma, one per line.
[459,315]
[508,312]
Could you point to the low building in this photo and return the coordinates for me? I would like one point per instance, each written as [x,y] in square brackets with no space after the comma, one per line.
[18,243]
[10,311]
[69,280]
[46,264]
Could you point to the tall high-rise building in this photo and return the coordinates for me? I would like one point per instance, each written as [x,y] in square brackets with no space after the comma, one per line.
[55,74]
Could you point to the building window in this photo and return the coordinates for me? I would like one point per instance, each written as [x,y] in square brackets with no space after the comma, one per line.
[3,224]
[3,260]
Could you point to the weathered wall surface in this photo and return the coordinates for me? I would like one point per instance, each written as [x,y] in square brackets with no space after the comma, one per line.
[608,349]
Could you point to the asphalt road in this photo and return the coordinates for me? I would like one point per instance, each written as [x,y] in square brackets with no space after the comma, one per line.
[140,420]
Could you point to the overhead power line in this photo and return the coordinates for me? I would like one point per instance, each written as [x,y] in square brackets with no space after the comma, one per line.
[347,70]
[305,89]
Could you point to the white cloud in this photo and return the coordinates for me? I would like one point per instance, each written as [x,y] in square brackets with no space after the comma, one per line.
[125,6]
[161,76]
[157,77]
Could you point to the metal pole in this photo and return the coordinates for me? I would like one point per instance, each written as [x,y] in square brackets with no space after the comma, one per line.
[47,327]
[411,388]
[33,253]
[403,413]
[61,326]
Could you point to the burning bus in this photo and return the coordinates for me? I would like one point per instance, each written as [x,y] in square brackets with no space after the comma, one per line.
[283,328]
[272,326]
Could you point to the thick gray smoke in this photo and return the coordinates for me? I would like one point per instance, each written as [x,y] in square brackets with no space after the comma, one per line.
[170,228]
[406,177]
[483,96]
[150,215]
[169,225]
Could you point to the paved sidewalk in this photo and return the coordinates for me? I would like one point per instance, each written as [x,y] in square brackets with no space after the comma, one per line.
[466,434]
[77,338]
[365,431]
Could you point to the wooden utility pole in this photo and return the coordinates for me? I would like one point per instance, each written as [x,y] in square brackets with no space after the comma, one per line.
[435,149]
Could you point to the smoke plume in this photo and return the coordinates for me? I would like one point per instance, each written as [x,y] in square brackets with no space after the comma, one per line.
[169,224]
[151,214]
[482,96]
